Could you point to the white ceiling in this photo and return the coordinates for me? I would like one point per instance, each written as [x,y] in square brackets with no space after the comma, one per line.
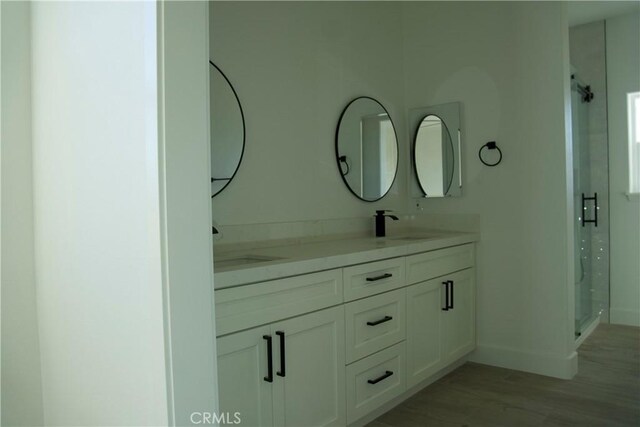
[582,12]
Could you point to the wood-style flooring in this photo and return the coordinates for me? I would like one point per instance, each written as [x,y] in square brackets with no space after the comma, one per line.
[606,392]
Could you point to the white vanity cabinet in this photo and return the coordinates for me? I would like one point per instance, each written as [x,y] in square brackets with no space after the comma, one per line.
[330,347]
[289,373]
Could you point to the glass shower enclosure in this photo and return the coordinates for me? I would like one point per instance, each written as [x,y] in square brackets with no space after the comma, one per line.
[591,222]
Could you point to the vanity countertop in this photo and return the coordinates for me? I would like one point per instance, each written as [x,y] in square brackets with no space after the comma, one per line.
[246,265]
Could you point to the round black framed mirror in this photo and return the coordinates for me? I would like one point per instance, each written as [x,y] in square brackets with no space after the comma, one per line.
[227,130]
[433,156]
[367,149]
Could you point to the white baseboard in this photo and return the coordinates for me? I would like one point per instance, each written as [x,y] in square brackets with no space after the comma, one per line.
[537,363]
[621,316]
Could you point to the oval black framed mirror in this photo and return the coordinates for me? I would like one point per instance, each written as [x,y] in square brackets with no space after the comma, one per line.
[227,130]
[367,149]
[433,156]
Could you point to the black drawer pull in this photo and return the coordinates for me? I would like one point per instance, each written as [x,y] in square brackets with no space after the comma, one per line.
[377,322]
[282,372]
[269,377]
[380,378]
[383,276]
[451,282]
[446,296]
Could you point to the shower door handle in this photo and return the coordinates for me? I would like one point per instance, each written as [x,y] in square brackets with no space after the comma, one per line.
[594,221]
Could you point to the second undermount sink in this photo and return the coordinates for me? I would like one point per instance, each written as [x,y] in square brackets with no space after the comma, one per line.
[243,260]
[420,237]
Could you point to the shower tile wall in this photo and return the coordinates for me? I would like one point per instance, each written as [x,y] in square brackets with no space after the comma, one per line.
[587,52]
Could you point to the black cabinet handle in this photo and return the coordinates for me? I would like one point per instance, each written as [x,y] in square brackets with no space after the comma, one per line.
[380,378]
[383,276]
[282,372]
[377,322]
[446,296]
[451,293]
[269,377]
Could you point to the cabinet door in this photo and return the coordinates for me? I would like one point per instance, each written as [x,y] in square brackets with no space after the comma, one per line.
[242,367]
[312,390]
[459,332]
[424,328]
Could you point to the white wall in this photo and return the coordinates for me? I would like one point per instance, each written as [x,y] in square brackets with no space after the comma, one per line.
[623,76]
[1,180]
[295,66]
[21,383]
[97,231]
[507,62]
[186,210]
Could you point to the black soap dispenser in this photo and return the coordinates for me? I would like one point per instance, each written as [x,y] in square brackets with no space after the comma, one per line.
[380,222]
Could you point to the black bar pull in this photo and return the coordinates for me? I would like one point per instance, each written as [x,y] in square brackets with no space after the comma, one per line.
[377,322]
[451,292]
[384,376]
[583,218]
[446,296]
[383,276]
[269,377]
[282,372]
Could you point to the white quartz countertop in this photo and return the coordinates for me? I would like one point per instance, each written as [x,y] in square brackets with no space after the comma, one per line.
[247,265]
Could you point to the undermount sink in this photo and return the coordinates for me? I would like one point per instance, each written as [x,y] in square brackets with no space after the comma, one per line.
[243,260]
[422,237]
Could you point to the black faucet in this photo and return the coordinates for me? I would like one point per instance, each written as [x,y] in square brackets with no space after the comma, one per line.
[215,228]
[380,215]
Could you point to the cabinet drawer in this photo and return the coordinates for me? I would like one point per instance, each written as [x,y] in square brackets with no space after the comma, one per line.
[432,264]
[374,323]
[373,278]
[244,307]
[374,381]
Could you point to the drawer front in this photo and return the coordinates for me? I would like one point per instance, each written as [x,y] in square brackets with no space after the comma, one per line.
[432,264]
[375,323]
[373,278]
[375,380]
[247,306]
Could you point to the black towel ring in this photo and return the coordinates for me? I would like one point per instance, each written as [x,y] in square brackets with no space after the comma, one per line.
[343,159]
[491,145]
